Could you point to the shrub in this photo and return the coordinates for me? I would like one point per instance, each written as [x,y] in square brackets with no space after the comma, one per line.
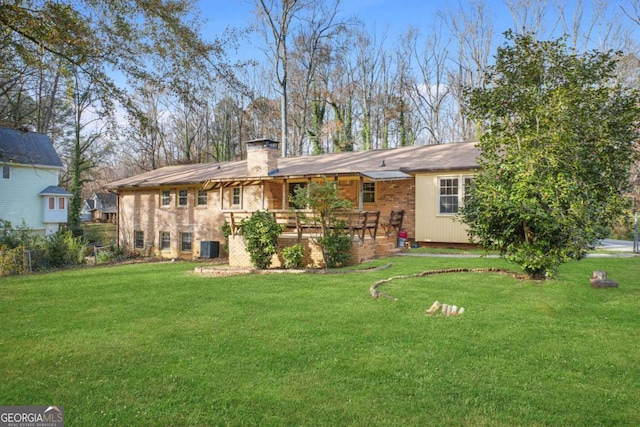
[226,232]
[324,201]
[111,253]
[11,237]
[293,256]
[260,232]
[336,245]
[12,260]
[64,249]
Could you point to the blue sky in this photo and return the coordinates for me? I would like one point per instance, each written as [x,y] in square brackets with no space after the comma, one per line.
[390,17]
[381,17]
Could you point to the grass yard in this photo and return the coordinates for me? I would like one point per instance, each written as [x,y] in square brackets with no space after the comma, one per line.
[156,345]
[101,233]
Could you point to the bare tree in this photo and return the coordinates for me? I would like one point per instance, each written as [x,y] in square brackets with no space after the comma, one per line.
[431,90]
[594,25]
[147,132]
[472,29]
[276,17]
[528,16]
[369,57]
[319,25]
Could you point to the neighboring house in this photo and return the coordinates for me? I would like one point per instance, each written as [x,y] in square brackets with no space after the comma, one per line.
[172,210]
[29,192]
[101,207]
[86,210]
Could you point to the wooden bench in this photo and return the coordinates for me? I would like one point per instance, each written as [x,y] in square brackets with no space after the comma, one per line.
[358,223]
[393,223]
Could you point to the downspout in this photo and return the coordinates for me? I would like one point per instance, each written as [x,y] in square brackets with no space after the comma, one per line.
[360,197]
[636,246]
[117,217]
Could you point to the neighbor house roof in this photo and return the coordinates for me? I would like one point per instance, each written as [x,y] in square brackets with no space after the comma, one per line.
[27,148]
[394,163]
[107,199]
[54,190]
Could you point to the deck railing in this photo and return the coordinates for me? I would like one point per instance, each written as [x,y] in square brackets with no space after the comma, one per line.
[358,223]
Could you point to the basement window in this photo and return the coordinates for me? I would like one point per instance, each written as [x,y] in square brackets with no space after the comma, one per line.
[139,238]
[185,242]
[165,241]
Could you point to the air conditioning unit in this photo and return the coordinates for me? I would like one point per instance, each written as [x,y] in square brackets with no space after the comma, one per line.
[209,249]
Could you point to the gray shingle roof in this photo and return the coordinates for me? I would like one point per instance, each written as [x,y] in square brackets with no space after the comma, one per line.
[107,199]
[54,190]
[424,158]
[27,148]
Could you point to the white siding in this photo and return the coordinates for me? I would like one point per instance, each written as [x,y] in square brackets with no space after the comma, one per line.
[55,215]
[430,225]
[19,199]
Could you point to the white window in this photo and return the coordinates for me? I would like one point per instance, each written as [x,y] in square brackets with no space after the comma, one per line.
[165,198]
[236,197]
[165,240]
[451,193]
[202,198]
[6,172]
[182,197]
[185,242]
[369,192]
[139,238]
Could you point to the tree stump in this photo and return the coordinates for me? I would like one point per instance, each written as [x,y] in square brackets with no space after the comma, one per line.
[599,280]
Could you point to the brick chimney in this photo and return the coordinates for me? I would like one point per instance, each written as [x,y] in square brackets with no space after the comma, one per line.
[262,157]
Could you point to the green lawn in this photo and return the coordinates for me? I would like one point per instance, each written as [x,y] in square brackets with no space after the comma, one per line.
[156,345]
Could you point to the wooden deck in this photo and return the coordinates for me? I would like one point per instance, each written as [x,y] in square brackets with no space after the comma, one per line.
[359,224]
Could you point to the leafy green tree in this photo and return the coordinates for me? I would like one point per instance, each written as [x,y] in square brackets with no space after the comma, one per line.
[557,147]
[260,232]
[324,201]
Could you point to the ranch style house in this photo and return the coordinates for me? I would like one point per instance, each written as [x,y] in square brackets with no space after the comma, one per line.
[179,211]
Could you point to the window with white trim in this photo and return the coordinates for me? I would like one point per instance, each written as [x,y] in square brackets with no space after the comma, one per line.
[202,198]
[466,182]
[165,198]
[236,197]
[451,193]
[165,240]
[368,192]
[6,172]
[59,205]
[185,239]
[182,197]
[139,239]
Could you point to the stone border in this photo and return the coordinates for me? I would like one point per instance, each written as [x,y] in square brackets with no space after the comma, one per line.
[219,271]
[376,293]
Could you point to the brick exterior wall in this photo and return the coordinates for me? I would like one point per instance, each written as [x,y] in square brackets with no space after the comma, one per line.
[262,158]
[141,210]
[360,252]
[395,195]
